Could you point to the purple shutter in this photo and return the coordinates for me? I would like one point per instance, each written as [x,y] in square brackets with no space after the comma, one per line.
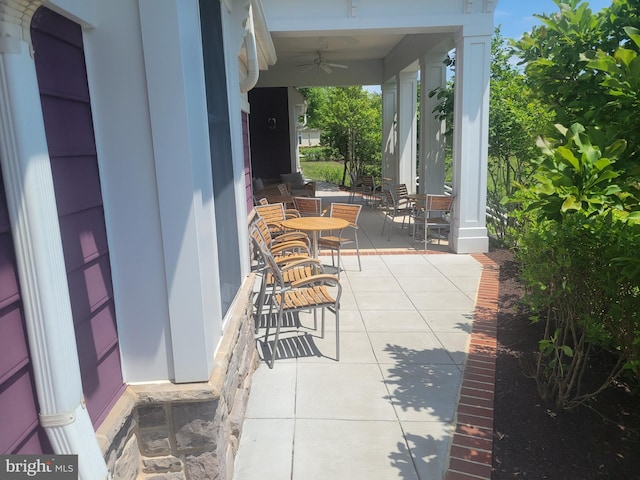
[64,94]
[20,432]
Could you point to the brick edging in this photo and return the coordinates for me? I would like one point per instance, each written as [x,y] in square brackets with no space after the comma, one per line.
[471,451]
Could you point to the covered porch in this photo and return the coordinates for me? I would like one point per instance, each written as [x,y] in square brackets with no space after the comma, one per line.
[411,396]
[401,48]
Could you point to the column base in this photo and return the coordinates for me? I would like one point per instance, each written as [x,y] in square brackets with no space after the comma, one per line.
[470,240]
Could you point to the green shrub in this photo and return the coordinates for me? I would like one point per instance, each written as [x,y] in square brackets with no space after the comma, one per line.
[318,154]
[578,238]
[332,174]
[575,282]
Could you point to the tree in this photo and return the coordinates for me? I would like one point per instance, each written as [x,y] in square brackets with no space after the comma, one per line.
[351,123]
[317,99]
[515,120]
[556,55]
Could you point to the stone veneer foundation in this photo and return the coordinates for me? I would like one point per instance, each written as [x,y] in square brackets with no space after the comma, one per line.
[167,431]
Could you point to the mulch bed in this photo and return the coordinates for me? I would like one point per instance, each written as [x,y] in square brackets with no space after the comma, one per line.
[531,440]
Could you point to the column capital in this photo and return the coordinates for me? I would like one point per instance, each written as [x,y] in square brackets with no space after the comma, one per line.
[15,24]
[410,76]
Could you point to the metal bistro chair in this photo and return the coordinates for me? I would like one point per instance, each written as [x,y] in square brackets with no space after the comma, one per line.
[436,215]
[395,208]
[371,192]
[355,186]
[293,260]
[309,293]
[288,243]
[308,206]
[274,214]
[349,212]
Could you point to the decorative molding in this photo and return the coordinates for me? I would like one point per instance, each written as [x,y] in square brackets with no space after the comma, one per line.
[490,5]
[352,8]
[15,24]
[468,6]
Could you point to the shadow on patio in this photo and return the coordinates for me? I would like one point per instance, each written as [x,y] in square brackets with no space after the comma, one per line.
[387,409]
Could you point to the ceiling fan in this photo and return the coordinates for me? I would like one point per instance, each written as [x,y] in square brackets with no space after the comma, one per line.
[320,62]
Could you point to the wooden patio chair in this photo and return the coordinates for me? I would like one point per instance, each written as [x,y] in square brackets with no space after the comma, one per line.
[435,215]
[287,243]
[308,206]
[314,292]
[336,240]
[395,208]
[291,257]
[371,191]
[274,214]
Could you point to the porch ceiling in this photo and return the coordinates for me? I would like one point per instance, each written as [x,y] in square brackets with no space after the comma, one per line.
[372,57]
[375,39]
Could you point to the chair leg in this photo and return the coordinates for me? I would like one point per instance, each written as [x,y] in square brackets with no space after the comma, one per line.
[275,339]
[260,301]
[426,235]
[357,250]
[337,314]
[273,296]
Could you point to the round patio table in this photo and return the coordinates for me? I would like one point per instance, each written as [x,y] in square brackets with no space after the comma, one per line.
[314,225]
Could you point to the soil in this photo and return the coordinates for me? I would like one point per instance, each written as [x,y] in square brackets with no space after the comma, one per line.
[531,439]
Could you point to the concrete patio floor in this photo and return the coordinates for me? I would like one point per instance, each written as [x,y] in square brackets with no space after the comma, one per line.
[410,344]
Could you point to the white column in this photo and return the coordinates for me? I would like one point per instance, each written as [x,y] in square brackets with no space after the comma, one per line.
[389,139]
[26,168]
[407,128]
[173,62]
[433,74]
[470,143]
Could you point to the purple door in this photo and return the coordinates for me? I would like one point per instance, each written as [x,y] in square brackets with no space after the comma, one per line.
[64,93]
[20,432]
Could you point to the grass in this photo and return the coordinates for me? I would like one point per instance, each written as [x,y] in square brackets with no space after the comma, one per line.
[323,171]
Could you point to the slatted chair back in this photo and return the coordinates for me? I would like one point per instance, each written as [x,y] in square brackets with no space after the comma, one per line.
[308,206]
[336,240]
[283,190]
[282,243]
[260,230]
[369,184]
[401,190]
[271,212]
[346,211]
[435,216]
[439,203]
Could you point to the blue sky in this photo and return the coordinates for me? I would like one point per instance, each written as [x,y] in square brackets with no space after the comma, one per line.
[516,16]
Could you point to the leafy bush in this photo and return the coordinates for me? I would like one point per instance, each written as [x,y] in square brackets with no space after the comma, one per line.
[576,285]
[331,174]
[318,154]
[577,239]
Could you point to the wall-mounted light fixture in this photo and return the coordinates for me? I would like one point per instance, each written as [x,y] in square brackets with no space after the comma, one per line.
[271,123]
